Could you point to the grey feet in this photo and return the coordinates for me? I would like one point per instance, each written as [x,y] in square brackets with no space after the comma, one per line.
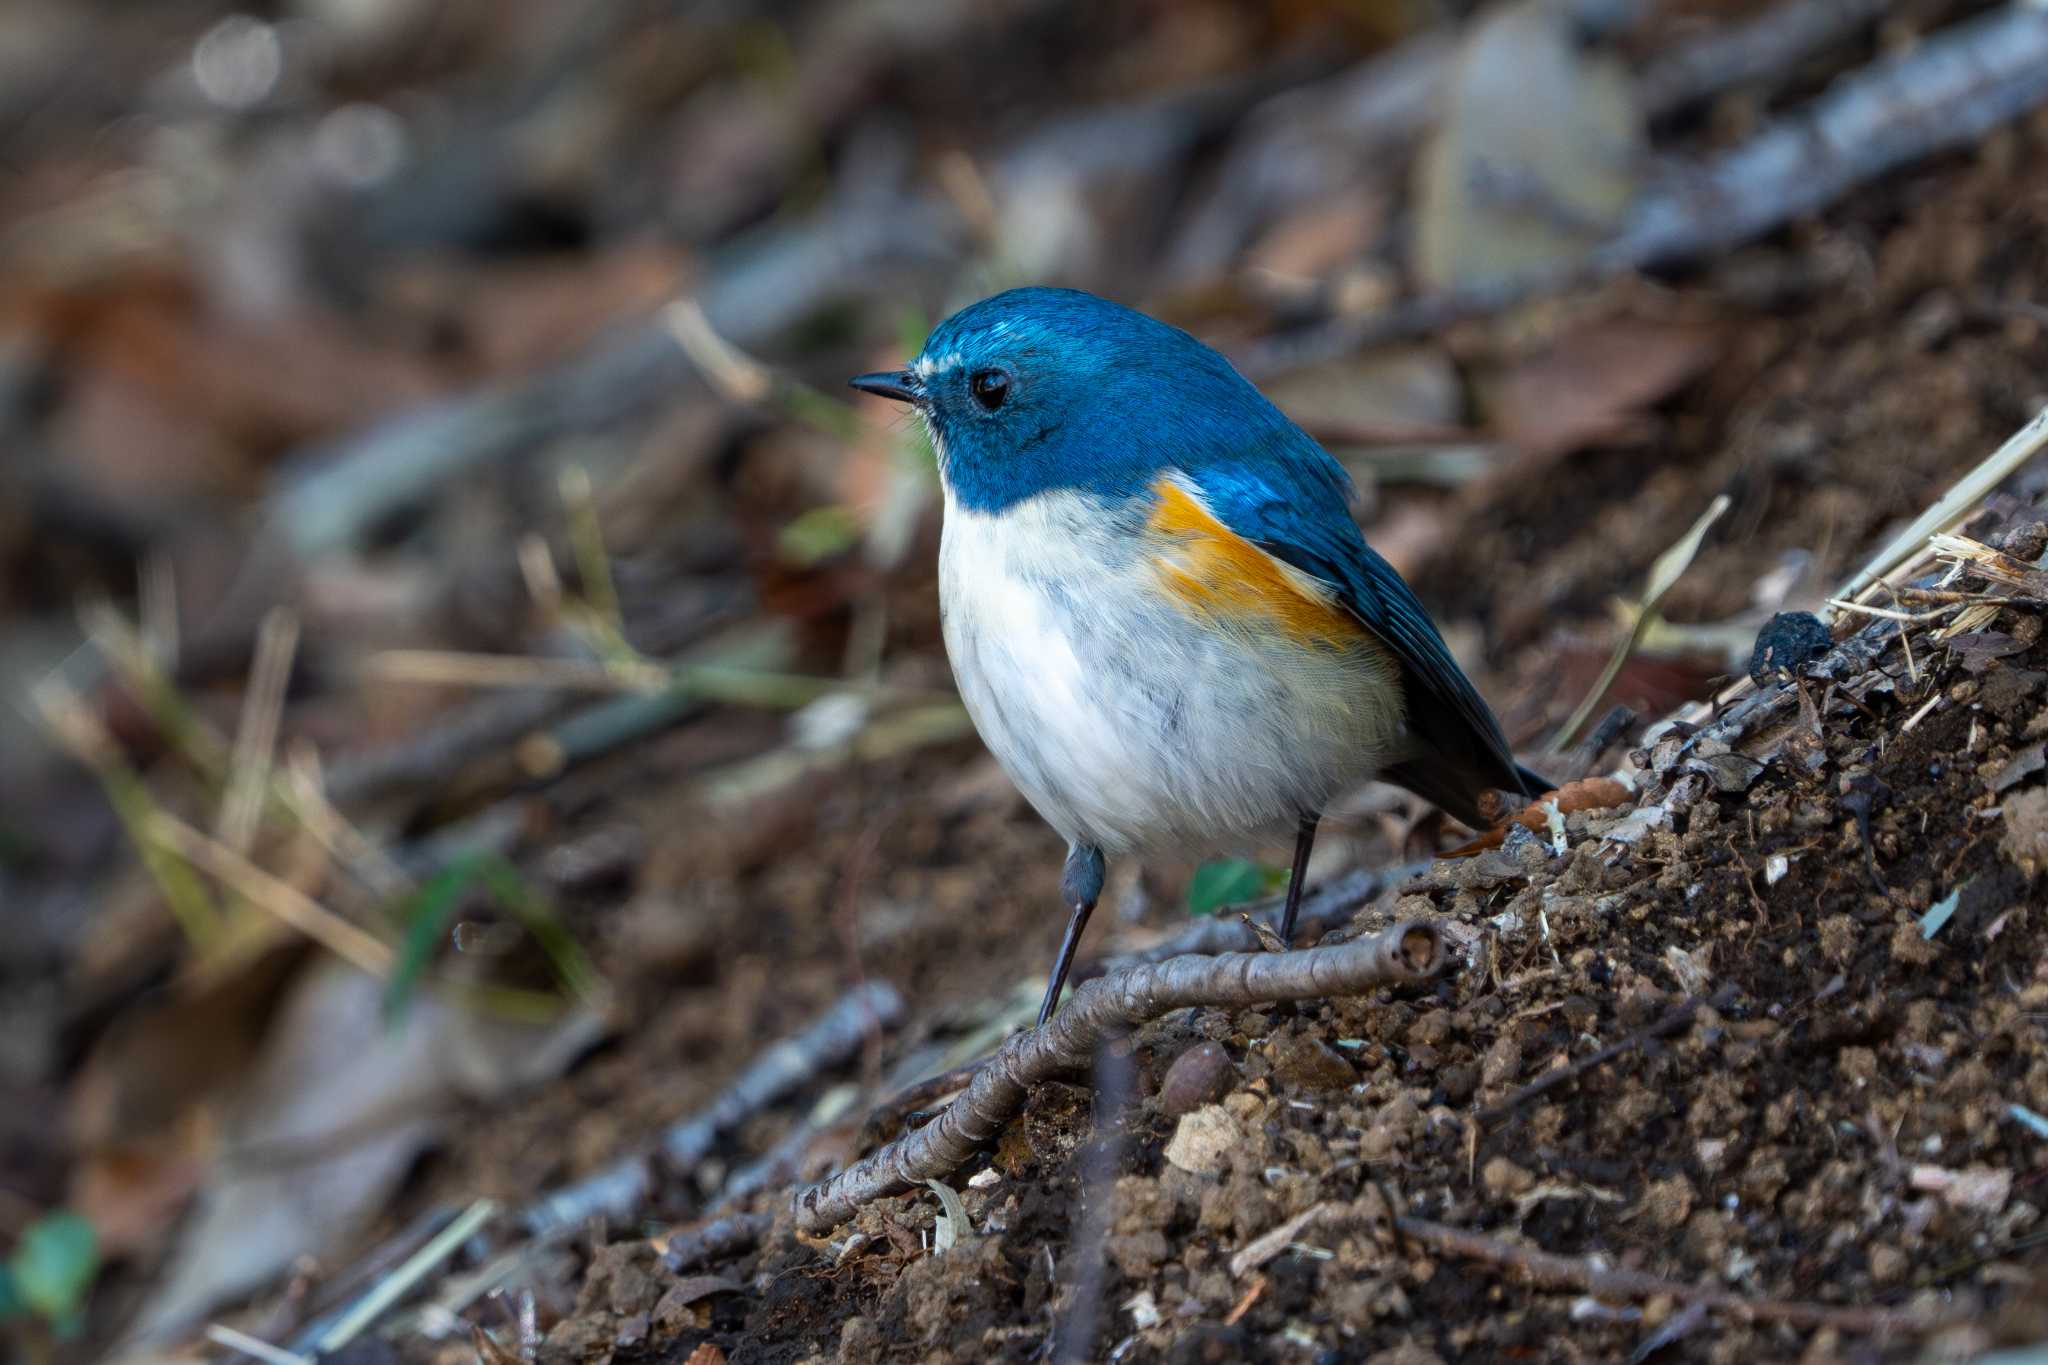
[1304,841]
[1080,888]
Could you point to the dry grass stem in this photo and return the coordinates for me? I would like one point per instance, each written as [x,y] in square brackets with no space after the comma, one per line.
[303,790]
[451,668]
[1912,545]
[736,375]
[1664,575]
[401,1281]
[280,898]
[241,808]
[255,1347]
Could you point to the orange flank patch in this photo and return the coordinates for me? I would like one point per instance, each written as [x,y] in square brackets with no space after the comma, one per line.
[1216,572]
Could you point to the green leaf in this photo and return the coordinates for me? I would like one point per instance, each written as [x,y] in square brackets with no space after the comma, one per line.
[912,327]
[819,534]
[55,1264]
[426,914]
[1228,881]
[534,911]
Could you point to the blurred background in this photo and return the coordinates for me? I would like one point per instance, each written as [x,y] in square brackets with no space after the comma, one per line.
[472,673]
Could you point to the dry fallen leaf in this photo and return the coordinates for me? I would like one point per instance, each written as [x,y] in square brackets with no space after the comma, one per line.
[1588,793]
[1592,384]
[331,1115]
[1535,156]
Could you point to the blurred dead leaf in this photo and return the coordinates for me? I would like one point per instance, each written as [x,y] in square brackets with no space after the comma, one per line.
[246,387]
[1312,243]
[1534,159]
[1384,390]
[327,1121]
[1593,383]
[141,1107]
[514,317]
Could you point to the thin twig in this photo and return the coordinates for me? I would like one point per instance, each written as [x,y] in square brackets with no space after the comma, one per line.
[1321,910]
[1946,91]
[715,1240]
[241,807]
[220,1334]
[1550,1271]
[834,1037]
[1887,613]
[302,788]
[1664,575]
[454,668]
[401,1281]
[1111,1007]
[291,905]
[1958,504]
[1679,1018]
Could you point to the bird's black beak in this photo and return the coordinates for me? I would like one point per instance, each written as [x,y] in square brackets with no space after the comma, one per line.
[902,385]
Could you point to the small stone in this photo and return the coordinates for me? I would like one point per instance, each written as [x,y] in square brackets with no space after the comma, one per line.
[1502,1063]
[1504,1179]
[1668,1203]
[1789,641]
[1838,937]
[2025,839]
[1307,1061]
[1203,1141]
[1981,1189]
[1433,1029]
[1202,1075]
[1910,947]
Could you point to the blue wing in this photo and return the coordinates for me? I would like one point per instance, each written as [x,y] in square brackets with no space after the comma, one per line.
[1460,748]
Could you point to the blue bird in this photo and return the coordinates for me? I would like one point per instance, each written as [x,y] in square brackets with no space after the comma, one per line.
[1161,616]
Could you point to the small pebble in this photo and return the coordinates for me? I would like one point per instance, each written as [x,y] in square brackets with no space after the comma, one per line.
[1202,1075]
[1790,640]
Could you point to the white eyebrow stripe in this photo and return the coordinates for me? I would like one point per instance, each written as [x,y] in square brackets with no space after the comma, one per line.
[927,365]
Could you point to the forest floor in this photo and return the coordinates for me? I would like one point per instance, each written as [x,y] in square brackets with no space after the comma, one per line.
[1750,1066]
[1831,1128]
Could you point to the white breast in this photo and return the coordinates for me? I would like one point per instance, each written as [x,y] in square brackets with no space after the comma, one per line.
[1125,722]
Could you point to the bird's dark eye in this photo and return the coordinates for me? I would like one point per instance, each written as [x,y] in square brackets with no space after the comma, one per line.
[989,387]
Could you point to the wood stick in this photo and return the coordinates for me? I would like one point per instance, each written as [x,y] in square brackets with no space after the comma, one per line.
[1107,1008]
[1550,1271]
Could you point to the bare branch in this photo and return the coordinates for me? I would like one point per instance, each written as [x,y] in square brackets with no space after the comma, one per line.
[1676,1020]
[1550,1271]
[1946,92]
[617,1190]
[1107,1008]
[1321,909]
[715,1240]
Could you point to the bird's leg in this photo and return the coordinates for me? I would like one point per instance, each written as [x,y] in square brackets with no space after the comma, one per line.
[1304,840]
[1080,887]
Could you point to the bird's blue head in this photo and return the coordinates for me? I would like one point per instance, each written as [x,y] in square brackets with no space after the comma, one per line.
[1039,389]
